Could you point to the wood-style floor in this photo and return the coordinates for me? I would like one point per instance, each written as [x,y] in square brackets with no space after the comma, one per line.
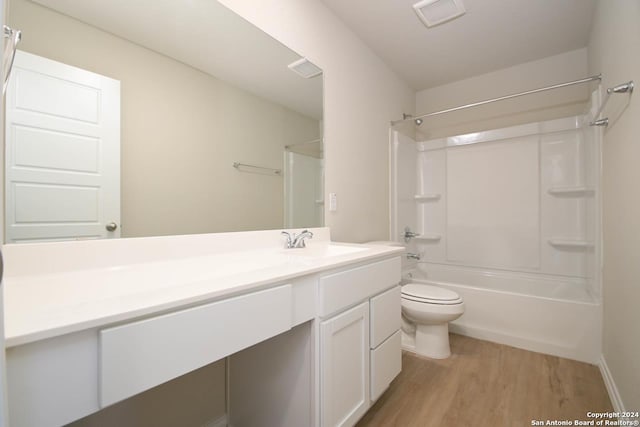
[488,384]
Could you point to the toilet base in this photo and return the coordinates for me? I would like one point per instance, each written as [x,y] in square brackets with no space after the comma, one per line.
[408,342]
[430,341]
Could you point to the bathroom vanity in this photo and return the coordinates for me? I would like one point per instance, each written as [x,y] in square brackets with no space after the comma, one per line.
[311,334]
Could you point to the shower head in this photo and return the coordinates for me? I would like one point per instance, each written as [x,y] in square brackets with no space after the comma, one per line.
[418,122]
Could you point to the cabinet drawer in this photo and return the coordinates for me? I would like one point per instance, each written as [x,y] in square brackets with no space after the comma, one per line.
[386,364]
[385,315]
[345,288]
[141,355]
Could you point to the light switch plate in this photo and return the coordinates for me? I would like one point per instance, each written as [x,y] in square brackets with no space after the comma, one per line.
[333,202]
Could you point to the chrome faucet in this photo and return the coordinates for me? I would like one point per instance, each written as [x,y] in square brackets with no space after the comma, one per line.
[298,241]
[413,256]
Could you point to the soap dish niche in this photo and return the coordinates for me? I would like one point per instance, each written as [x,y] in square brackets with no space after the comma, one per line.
[570,244]
[427,197]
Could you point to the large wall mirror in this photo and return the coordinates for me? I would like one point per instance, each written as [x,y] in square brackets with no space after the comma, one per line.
[145,118]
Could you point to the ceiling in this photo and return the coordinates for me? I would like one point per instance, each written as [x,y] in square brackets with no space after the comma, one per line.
[493,34]
[205,35]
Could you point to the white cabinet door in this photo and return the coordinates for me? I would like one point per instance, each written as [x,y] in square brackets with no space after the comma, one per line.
[62,152]
[344,367]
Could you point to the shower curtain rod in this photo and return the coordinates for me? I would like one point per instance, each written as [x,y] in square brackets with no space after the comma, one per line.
[502,98]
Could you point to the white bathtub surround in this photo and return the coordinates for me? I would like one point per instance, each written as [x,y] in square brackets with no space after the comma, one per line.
[76,318]
[520,199]
[510,220]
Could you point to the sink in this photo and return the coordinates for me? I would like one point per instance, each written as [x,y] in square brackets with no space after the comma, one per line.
[324,251]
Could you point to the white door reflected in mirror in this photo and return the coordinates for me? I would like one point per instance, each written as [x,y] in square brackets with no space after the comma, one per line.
[63,152]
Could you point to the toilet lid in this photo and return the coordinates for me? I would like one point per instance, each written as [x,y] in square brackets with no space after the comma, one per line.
[430,294]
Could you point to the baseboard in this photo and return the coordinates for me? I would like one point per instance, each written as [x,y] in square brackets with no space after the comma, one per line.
[614,395]
[218,422]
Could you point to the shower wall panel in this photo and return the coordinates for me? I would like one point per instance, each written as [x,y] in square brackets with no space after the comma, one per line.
[431,201]
[520,199]
[564,203]
[492,204]
[403,186]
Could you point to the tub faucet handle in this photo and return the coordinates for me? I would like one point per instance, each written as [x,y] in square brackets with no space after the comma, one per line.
[413,256]
[408,234]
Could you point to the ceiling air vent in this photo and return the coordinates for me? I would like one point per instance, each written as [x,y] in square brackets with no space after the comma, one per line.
[436,12]
[305,68]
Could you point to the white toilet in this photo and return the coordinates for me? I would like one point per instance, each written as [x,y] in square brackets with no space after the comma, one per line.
[426,313]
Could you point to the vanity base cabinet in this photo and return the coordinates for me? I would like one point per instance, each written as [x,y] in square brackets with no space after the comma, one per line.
[360,350]
[314,351]
[344,367]
[53,382]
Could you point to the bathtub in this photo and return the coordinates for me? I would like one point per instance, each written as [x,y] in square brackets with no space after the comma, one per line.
[546,314]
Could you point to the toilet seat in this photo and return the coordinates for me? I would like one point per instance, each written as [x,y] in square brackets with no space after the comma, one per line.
[429,294]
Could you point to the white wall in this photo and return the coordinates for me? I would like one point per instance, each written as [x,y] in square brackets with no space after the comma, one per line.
[361,96]
[614,50]
[531,108]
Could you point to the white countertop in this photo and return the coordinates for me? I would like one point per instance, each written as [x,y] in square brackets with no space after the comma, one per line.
[52,303]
